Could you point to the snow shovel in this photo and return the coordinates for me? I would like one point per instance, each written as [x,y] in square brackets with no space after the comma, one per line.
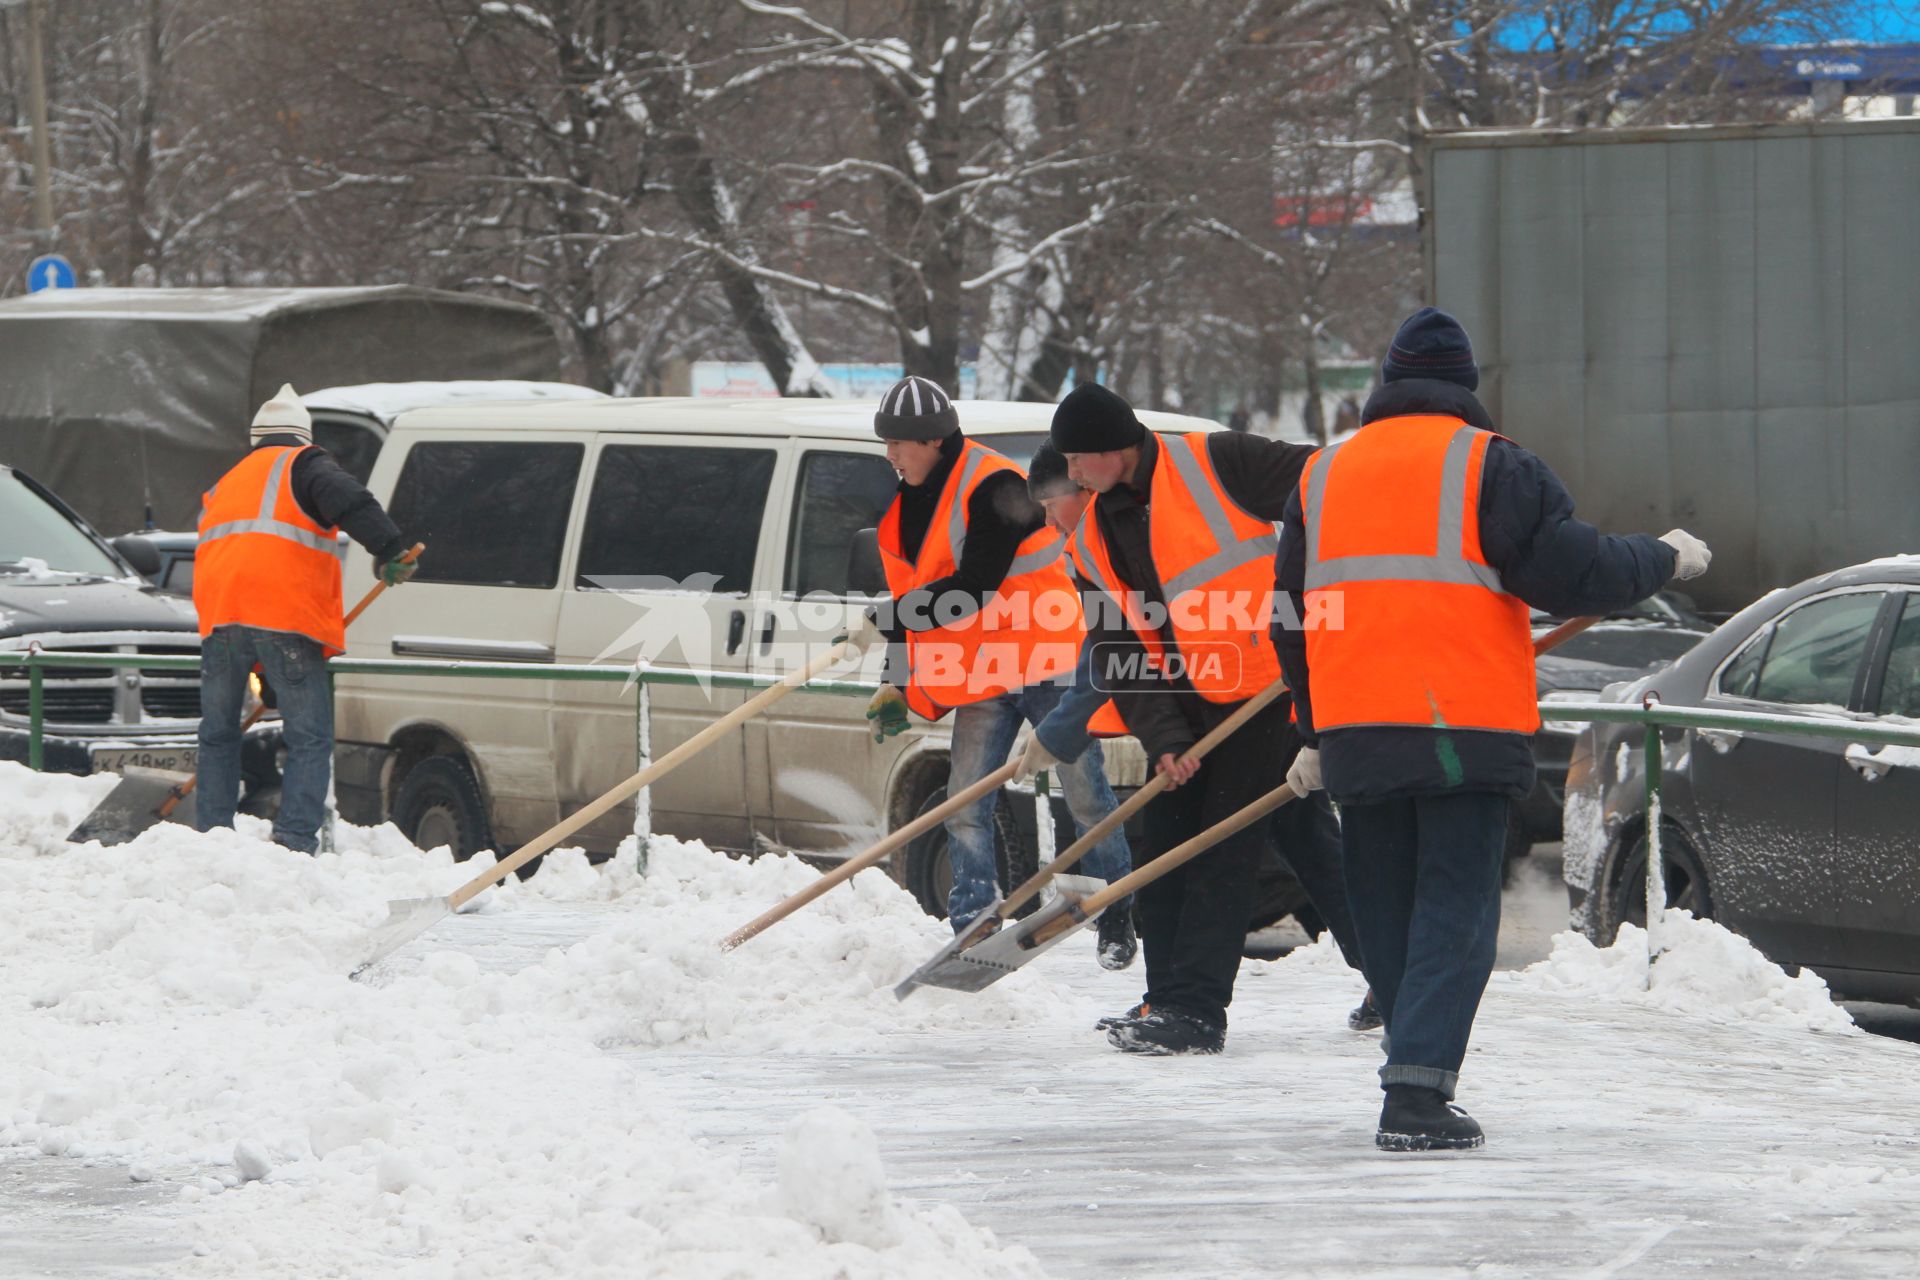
[986,962]
[860,862]
[146,796]
[974,965]
[408,918]
[944,970]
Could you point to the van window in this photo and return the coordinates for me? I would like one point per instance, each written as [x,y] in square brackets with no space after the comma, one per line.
[667,512]
[355,446]
[492,514]
[840,494]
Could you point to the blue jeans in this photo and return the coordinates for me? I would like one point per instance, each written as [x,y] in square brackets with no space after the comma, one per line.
[1423,878]
[296,667]
[983,734]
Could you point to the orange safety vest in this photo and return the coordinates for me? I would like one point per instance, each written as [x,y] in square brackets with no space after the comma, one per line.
[261,561]
[1407,623]
[1215,561]
[1106,722]
[1028,632]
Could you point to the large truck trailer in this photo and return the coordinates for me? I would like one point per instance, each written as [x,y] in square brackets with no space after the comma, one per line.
[1716,328]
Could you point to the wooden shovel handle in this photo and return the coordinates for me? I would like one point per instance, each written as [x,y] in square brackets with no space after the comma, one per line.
[1138,800]
[853,866]
[408,556]
[1182,854]
[178,795]
[658,769]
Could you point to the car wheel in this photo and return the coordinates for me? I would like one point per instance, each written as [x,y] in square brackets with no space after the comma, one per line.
[930,871]
[439,803]
[1686,882]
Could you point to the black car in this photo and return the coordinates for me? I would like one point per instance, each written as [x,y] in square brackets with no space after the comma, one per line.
[1808,846]
[65,590]
[1624,646]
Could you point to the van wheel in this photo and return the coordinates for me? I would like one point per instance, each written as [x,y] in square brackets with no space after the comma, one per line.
[930,871]
[439,804]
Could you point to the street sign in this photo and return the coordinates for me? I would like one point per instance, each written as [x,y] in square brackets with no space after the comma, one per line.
[49,271]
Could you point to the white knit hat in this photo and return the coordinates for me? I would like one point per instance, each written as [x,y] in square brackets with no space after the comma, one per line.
[283,415]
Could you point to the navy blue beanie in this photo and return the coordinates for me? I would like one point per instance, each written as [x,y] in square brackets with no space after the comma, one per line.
[1093,419]
[1431,344]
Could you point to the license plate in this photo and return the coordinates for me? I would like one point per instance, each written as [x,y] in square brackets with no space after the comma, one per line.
[116,759]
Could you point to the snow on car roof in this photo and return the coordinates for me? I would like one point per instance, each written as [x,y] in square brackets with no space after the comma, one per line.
[212,304]
[849,419]
[388,400]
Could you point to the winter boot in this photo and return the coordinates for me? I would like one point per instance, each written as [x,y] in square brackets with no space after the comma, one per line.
[1416,1118]
[1116,944]
[1168,1031]
[1366,1015]
[1134,1014]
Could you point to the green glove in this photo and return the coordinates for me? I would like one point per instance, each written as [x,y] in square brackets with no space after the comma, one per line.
[395,572]
[888,712]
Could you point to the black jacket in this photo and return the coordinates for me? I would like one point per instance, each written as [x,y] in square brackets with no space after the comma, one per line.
[1000,516]
[333,498]
[1543,555]
[1260,475]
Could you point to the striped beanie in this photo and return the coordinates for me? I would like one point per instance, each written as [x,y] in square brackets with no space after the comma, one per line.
[283,415]
[915,408]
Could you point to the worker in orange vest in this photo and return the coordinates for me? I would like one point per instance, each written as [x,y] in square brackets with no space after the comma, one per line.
[1307,831]
[266,583]
[1179,547]
[983,624]
[1412,551]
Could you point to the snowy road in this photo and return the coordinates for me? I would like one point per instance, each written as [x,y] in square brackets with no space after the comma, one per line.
[576,1083]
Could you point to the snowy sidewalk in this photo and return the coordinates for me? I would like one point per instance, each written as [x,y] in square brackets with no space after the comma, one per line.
[576,1083]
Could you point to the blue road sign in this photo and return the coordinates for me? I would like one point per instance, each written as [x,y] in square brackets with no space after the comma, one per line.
[49,271]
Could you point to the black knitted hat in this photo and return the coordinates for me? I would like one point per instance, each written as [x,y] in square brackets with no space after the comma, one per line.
[915,408]
[1093,419]
[1047,475]
[1431,344]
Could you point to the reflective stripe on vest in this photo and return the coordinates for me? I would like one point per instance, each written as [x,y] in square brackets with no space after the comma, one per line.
[1226,655]
[1415,628]
[1032,629]
[261,561]
[1106,722]
[265,523]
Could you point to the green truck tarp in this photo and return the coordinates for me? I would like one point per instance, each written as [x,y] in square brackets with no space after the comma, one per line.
[118,399]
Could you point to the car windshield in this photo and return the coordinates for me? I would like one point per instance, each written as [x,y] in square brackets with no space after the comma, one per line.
[34,533]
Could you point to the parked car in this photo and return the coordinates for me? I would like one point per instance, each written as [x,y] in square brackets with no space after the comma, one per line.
[528,511]
[1808,846]
[64,590]
[1625,646]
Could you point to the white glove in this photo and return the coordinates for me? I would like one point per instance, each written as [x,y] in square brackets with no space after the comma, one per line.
[1304,775]
[866,634]
[1694,557]
[1035,758]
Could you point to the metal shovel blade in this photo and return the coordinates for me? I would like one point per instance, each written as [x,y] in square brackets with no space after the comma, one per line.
[134,805]
[973,963]
[406,920]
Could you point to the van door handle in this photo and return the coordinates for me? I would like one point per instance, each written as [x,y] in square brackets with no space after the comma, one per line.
[766,635]
[736,630]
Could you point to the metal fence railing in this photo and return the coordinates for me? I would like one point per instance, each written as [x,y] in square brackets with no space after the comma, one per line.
[1653,715]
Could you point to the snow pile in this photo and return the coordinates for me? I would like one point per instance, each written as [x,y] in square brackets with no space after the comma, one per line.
[821,979]
[179,1005]
[1705,971]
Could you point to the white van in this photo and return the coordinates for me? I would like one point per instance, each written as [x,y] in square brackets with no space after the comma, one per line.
[731,511]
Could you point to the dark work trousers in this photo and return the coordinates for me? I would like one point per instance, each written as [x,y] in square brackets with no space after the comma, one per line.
[1423,877]
[1193,921]
[1308,836]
